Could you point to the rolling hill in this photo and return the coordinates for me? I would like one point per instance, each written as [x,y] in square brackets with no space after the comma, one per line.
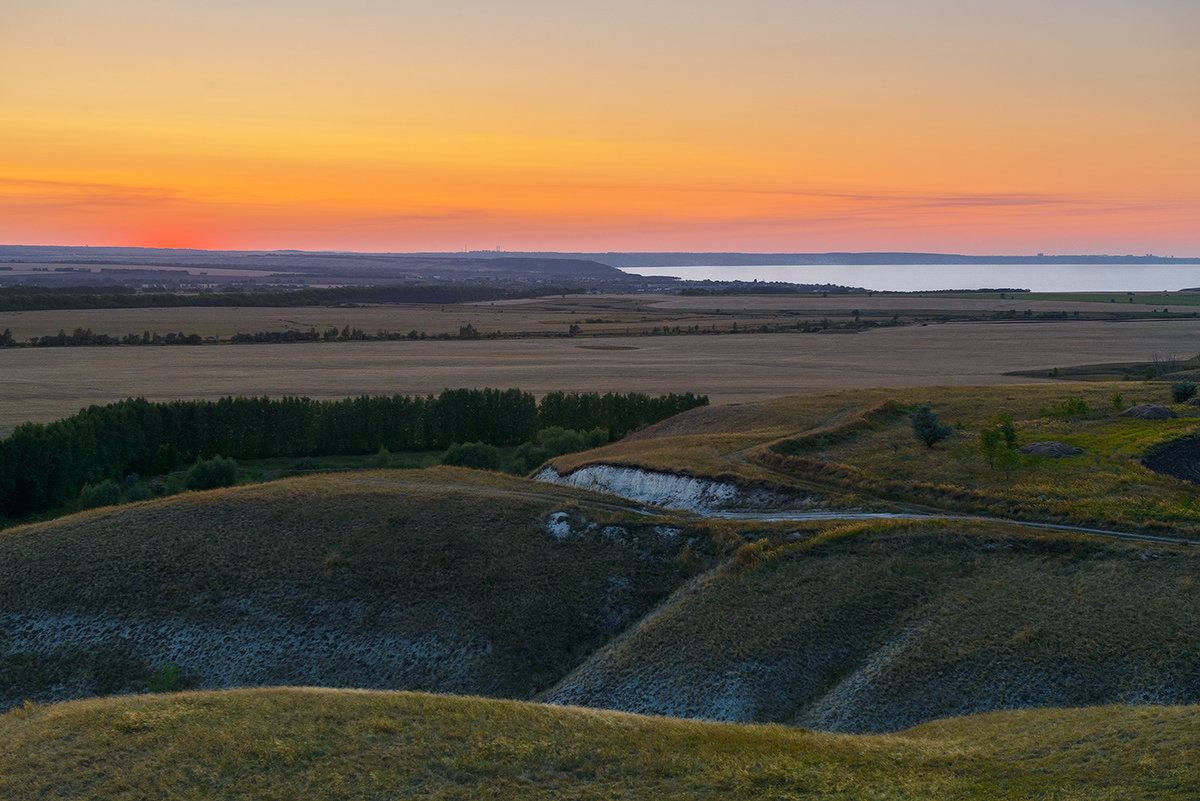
[330,744]
[446,579]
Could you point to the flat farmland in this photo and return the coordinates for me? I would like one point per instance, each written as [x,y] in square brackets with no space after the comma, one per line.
[594,314]
[598,314]
[43,384]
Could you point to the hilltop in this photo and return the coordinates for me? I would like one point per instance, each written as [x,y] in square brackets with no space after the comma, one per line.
[855,448]
[324,744]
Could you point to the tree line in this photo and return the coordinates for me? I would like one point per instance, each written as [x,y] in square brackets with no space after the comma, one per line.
[44,466]
[26,298]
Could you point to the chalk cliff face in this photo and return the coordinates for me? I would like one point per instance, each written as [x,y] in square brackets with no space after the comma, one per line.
[658,489]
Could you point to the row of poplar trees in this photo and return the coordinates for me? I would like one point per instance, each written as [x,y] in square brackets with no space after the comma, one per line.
[45,466]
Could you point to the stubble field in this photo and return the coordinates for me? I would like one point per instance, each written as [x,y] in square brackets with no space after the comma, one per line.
[595,314]
[44,384]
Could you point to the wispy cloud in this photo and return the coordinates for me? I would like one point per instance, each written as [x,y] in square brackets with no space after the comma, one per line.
[45,194]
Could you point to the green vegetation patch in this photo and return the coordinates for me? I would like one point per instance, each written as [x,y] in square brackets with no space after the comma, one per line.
[322,744]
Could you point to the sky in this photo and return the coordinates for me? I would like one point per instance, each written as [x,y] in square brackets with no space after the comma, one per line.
[1012,127]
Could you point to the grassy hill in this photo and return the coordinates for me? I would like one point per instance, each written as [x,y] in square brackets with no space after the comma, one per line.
[857,448]
[445,579]
[327,744]
[880,626]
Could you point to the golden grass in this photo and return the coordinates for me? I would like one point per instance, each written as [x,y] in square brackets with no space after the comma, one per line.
[46,384]
[827,449]
[322,744]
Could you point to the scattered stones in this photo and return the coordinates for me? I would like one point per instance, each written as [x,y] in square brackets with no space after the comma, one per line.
[1148,411]
[1050,449]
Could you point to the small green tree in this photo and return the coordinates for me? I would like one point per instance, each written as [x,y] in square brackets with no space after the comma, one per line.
[927,428]
[381,459]
[106,493]
[479,455]
[998,442]
[1181,391]
[211,473]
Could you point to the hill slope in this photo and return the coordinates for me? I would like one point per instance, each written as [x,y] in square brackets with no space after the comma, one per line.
[881,626]
[857,448]
[322,744]
[446,579]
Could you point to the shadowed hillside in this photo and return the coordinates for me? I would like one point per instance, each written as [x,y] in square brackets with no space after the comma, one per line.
[446,579]
[878,627]
[323,744]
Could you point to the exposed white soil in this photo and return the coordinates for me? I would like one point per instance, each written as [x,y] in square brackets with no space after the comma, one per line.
[326,648]
[668,490]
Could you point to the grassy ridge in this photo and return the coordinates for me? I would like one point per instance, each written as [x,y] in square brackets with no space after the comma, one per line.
[876,627]
[322,744]
[851,446]
[444,579]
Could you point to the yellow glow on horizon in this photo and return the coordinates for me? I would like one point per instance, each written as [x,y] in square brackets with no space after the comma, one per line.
[775,127]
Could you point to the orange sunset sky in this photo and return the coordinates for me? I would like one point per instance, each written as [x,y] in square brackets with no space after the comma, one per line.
[1062,126]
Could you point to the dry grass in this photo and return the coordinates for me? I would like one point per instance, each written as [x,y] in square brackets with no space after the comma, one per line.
[48,383]
[614,314]
[826,449]
[437,579]
[876,627]
[322,744]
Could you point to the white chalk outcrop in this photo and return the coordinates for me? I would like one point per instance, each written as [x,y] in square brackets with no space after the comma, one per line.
[668,490]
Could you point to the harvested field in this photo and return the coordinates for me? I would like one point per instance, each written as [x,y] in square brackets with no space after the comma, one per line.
[596,314]
[44,384]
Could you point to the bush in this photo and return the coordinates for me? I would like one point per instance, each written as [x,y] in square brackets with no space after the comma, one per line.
[211,473]
[165,679]
[557,441]
[1071,407]
[106,493]
[1182,390]
[478,455]
[307,463]
[381,459]
[927,428]
[529,456]
[139,492]
[998,442]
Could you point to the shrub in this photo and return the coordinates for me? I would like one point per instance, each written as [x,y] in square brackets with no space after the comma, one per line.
[165,679]
[1182,390]
[307,463]
[381,459]
[1071,407]
[1118,401]
[106,493]
[529,456]
[998,442]
[478,455]
[557,441]
[211,473]
[927,428]
[139,492]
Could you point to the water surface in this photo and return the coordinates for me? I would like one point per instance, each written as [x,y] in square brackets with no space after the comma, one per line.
[925,277]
